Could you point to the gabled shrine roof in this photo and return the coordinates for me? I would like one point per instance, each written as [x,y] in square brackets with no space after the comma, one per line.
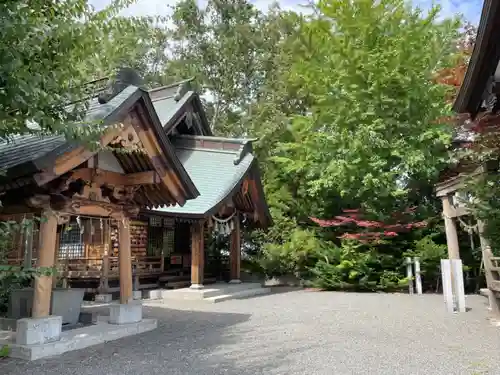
[484,62]
[218,167]
[171,102]
[24,156]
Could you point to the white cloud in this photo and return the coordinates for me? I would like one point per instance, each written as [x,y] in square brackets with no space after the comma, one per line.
[471,9]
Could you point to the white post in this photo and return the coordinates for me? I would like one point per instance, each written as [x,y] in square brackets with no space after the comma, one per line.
[418,277]
[447,288]
[409,275]
[458,280]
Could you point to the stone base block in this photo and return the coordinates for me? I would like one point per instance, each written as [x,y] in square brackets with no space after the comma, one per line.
[137,294]
[235,281]
[125,313]
[75,339]
[196,286]
[35,331]
[154,294]
[104,298]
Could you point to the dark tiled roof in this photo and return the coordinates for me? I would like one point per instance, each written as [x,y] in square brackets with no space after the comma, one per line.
[26,148]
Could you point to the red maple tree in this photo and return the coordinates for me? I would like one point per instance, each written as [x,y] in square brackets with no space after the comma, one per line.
[377,229]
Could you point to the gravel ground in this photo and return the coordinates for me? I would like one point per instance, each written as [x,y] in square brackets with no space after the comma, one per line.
[298,332]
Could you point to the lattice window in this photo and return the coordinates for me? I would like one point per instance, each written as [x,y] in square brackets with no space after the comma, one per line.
[160,238]
[168,241]
[71,241]
[155,221]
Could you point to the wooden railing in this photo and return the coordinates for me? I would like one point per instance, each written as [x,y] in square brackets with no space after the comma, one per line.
[492,273]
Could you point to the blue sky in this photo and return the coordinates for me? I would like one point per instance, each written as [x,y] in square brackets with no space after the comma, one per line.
[471,9]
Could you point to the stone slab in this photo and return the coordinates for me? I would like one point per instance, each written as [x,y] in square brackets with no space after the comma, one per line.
[211,293]
[104,298]
[32,331]
[75,339]
[137,294]
[125,313]
[153,294]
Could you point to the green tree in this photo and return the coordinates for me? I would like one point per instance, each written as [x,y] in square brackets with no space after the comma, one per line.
[50,49]
[368,67]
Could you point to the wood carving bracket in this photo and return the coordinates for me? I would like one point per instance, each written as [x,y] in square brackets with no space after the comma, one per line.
[93,193]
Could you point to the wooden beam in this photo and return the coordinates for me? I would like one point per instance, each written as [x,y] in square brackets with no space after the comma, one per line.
[125,261]
[158,159]
[197,254]
[78,156]
[102,177]
[235,251]
[47,248]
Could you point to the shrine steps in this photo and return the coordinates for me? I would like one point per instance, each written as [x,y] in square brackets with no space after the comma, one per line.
[215,293]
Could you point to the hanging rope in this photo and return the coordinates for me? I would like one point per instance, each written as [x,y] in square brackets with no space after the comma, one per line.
[221,221]
[468,228]
[224,226]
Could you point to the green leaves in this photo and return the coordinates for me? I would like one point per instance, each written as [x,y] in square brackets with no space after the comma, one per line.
[49,50]
[368,67]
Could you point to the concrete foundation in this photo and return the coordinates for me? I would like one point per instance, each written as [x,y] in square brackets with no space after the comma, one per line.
[75,339]
[196,286]
[235,281]
[36,331]
[104,298]
[125,313]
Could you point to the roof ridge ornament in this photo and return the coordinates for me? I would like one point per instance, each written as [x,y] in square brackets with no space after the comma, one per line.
[182,89]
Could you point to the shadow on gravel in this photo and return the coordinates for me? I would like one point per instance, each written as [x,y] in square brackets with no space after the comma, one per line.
[185,342]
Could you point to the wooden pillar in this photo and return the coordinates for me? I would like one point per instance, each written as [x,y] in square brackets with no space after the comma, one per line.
[451,230]
[235,252]
[125,260]
[104,282]
[197,254]
[56,260]
[28,243]
[46,250]
[482,239]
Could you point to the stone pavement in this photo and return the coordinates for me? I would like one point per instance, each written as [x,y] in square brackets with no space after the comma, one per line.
[299,332]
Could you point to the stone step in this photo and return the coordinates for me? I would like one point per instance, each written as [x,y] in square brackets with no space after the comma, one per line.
[225,289]
[237,295]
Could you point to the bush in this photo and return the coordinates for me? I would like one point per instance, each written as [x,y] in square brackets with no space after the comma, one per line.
[291,257]
[356,267]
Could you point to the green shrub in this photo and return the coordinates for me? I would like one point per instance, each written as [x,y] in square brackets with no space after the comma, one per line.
[354,266]
[294,256]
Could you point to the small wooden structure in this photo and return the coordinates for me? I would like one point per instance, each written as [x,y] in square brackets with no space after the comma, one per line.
[125,205]
[479,94]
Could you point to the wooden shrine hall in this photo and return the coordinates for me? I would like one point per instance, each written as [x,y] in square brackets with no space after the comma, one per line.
[139,209]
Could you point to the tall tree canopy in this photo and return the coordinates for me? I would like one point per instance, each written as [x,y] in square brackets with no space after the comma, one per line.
[368,68]
[50,48]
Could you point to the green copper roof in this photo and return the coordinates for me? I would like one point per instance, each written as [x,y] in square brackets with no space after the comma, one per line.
[215,172]
[167,107]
